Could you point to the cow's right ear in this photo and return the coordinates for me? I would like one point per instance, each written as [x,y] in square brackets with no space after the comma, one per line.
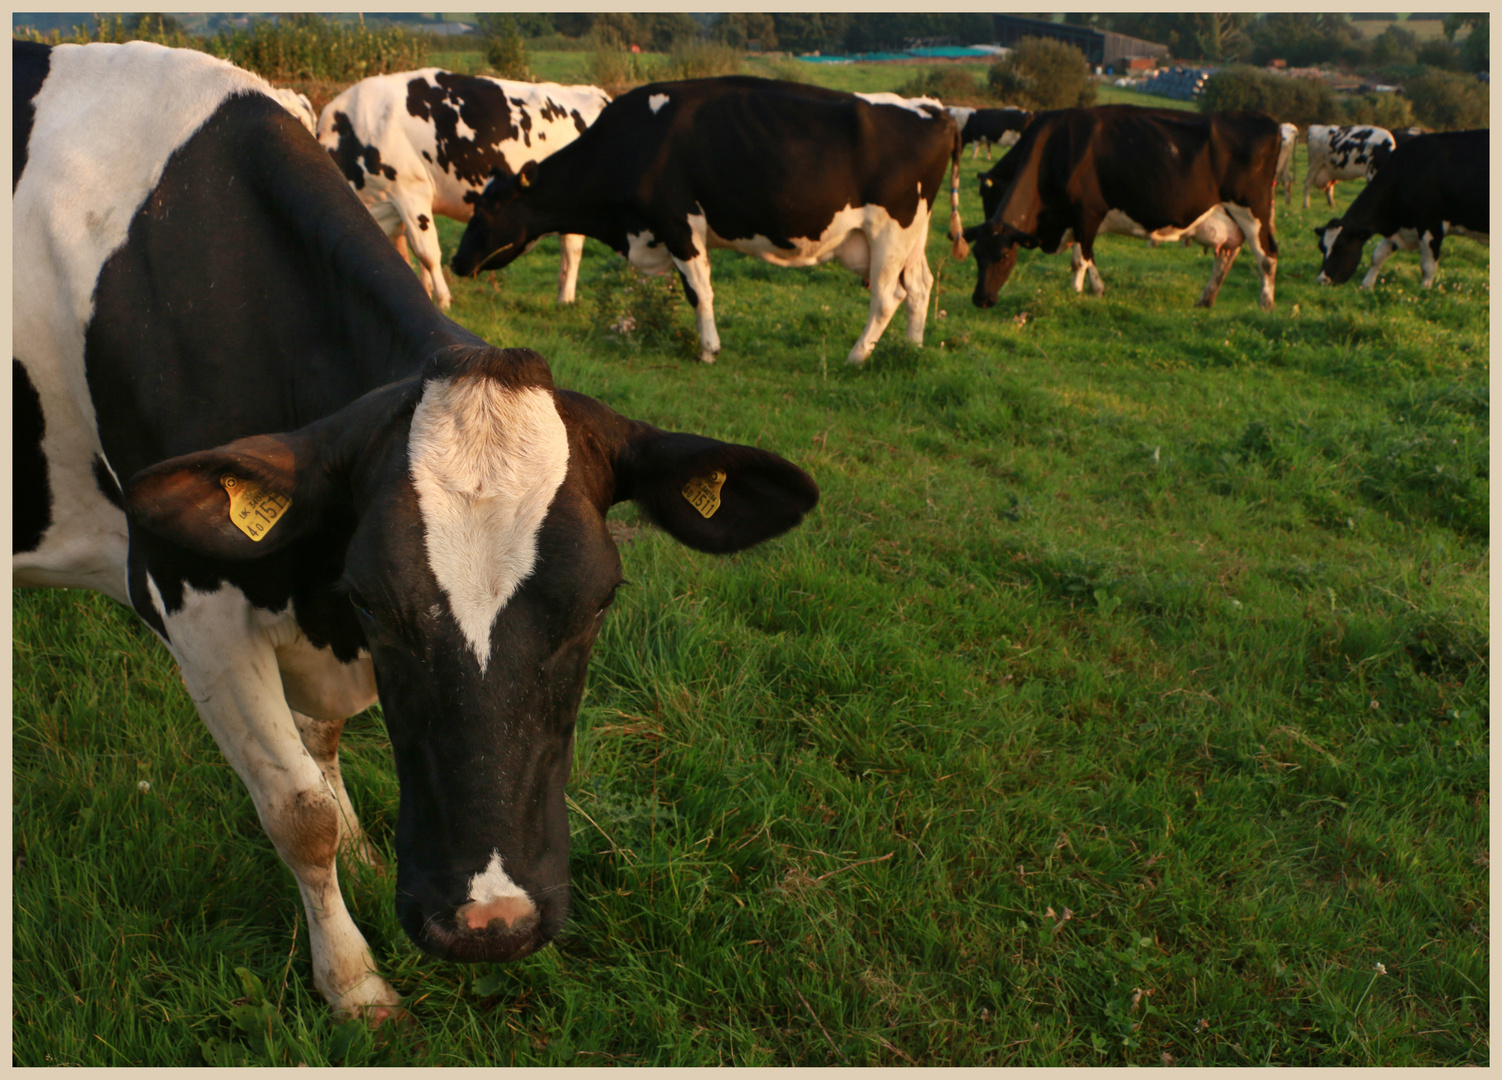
[238,501]
[527,175]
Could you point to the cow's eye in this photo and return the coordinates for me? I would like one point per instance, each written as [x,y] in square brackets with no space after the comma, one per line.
[359,603]
[609,599]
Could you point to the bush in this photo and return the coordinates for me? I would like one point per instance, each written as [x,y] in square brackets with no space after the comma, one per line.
[1287,100]
[294,48]
[1385,110]
[1438,54]
[696,60]
[1041,73]
[951,85]
[612,66]
[505,52]
[636,311]
[1446,101]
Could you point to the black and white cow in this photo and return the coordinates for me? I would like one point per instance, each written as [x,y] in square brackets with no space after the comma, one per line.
[1289,138]
[1429,188]
[1343,153]
[236,411]
[794,174]
[983,127]
[424,142]
[1157,174]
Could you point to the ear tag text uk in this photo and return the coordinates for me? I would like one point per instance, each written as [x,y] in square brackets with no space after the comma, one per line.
[703,492]
[252,508]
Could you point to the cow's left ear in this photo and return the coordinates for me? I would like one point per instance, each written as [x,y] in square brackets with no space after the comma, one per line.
[713,496]
[527,175]
[238,501]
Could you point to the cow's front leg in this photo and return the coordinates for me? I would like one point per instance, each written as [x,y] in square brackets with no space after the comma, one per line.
[692,261]
[889,253]
[321,739]
[1385,247]
[1225,255]
[571,250]
[230,668]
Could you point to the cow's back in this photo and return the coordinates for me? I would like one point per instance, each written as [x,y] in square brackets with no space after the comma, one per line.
[1441,177]
[764,150]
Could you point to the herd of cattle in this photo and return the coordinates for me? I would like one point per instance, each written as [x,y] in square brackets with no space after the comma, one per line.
[237,410]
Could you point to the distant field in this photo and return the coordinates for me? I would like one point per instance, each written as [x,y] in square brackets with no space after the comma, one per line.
[1124,702]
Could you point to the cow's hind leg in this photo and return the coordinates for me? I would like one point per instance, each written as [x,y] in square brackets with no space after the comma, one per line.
[891,247]
[1259,238]
[230,669]
[917,282]
[1429,244]
[571,247]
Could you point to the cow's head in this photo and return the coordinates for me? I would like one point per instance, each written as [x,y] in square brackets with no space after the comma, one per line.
[462,514]
[1340,250]
[497,233]
[995,246]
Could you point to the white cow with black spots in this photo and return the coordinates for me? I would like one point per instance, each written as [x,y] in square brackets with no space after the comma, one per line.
[420,143]
[1343,153]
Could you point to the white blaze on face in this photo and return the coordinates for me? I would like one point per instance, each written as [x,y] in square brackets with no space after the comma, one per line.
[486,461]
[657,101]
[493,883]
[1328,240]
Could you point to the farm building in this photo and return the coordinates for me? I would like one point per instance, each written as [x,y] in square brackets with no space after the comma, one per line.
[1102,48]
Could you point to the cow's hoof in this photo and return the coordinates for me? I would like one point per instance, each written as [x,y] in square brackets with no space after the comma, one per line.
[1265,303]
[707,357]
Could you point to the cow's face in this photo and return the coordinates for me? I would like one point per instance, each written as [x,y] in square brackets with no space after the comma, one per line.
[1340,251]
[497,233]
[470,506]
[994,245]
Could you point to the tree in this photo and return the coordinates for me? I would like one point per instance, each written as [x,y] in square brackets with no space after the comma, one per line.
[1043,73]
[1395,45]
[505,51]
[810,32]
[736,28]
[1449,101]
[1304,40]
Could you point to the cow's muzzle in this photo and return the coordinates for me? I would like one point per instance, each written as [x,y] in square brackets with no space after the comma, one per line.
[494,931]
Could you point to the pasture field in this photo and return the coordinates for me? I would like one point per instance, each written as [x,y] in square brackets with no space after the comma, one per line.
[1123,702]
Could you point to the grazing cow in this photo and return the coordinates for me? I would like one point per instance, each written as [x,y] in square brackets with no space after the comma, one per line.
[1289,138]
[424,142]
[1343,153]
[794,174]
[1158,174]
[236,411]
[1216,232]
[982,127]
[1429,187]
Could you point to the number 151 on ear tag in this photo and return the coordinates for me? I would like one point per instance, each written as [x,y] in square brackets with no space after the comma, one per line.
[253,509]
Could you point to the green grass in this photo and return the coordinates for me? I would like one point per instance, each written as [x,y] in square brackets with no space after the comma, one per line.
[1125,699]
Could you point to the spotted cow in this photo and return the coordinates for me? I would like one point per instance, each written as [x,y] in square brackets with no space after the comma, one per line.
[1343,153]
[1157,174]
[794,174]
[236,412]
[425,142]
[1288,140]
[985,127]
[1429,188]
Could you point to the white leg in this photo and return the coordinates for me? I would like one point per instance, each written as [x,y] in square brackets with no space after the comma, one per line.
[571,247]
[695,273]
[1385,247]
[1330,193]
[889,248]
[422,231]
[230,668]
[1078,264]
[1428,260]
[918,283]
[1224,257]
[1267,265]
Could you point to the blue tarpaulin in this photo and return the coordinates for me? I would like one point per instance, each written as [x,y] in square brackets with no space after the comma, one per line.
[941,52]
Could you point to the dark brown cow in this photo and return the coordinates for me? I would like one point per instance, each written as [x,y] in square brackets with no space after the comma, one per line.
[1159,174]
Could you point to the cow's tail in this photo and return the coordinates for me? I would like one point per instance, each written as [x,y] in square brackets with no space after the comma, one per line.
[956,229]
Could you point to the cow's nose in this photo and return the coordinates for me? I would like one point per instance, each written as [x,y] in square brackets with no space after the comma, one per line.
[1322,279]
[508,915]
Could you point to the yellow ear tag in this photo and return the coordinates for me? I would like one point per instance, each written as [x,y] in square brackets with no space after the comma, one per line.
[703,492]
[252,508]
